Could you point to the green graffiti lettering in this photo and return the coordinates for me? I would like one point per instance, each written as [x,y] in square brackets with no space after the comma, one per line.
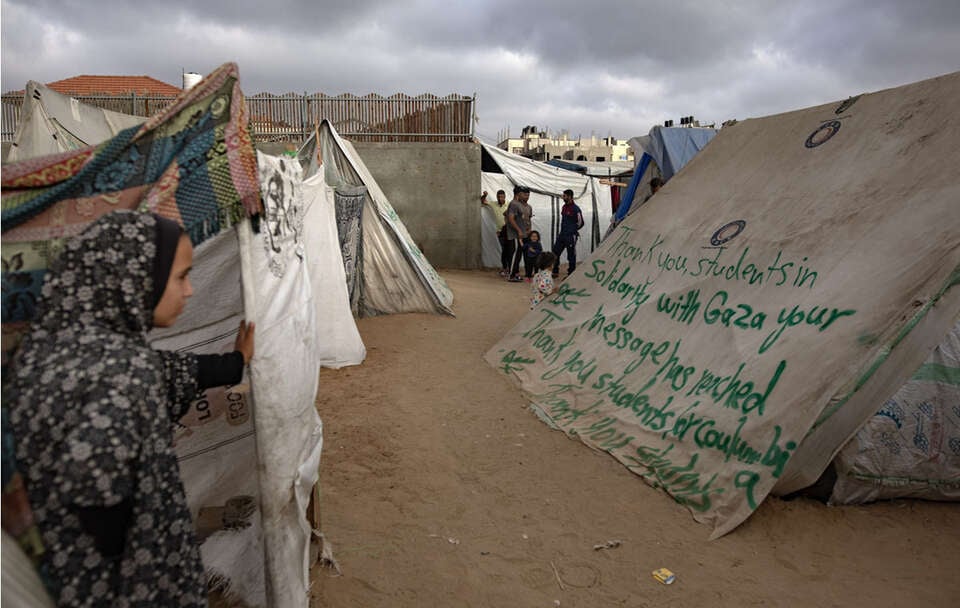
[680,480]
[747,480]
[776,456]
[576,365]
[512,362]
[795,316]
[568,297]
[683,309]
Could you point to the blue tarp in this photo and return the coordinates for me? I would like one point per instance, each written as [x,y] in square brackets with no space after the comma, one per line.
[624,206]
[670,148]
[673,147]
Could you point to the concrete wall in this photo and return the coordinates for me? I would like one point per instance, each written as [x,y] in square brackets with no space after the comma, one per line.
[435,189]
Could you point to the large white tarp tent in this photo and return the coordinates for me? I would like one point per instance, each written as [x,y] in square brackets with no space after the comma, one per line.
[730,337]
[51,122]
[268,425]
[290,279]
[389,274]
[503,170]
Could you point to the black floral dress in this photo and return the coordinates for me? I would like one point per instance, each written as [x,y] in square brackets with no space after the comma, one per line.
[92,407]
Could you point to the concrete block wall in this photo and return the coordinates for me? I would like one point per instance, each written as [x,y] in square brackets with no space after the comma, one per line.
[435,189]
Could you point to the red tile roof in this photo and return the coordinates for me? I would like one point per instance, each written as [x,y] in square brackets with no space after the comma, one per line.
[113,85]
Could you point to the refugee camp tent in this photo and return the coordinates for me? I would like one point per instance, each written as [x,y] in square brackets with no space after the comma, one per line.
[253,527]
[502,170]
[268,424]
[51,122]
[661,153]
[730,337]
[293,283]
[386,271]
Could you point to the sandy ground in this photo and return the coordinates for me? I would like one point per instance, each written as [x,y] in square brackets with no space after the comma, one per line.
[440,488]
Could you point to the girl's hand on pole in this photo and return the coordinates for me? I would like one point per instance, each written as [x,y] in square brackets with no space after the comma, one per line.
[244,342]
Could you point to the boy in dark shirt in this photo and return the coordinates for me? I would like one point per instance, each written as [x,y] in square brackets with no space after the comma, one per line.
[571,221]
[532,248]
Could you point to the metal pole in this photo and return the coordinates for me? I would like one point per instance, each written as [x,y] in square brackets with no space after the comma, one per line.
[303,117]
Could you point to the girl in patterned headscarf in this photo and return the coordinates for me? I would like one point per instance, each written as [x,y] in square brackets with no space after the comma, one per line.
[92,410]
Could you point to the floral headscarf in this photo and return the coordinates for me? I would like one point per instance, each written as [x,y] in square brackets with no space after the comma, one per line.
[103,277]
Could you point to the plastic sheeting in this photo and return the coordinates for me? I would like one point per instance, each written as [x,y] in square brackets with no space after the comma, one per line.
[671,147]
[269,423]
[911,446]
[661,153]
[541,177]
[215,441]
[285,375]
[728,338]
[338,340]
[638,191]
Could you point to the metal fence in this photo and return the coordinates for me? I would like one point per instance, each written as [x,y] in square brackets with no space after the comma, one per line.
[292,117]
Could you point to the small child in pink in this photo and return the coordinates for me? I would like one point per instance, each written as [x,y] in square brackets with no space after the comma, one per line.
[542,284]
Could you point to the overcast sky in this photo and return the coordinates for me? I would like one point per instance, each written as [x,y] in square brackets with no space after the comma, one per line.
[586,66]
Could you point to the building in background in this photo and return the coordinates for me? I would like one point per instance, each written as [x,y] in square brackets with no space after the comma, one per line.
[542,145]
[113,85]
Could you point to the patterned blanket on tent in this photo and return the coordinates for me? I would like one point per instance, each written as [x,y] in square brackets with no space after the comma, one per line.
[194,163]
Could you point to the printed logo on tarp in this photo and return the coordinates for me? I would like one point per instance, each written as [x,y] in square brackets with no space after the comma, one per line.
[727,233]
[283,215]
[826,131]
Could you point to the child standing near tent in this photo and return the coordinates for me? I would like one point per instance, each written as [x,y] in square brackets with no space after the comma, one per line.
[532,248]
[543,284]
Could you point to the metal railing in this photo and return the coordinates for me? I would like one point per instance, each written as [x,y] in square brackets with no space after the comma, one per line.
[292,117]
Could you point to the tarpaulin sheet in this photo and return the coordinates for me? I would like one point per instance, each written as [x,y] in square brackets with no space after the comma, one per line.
[732,334]
[338,339]
[51,123]
[911,446]
[285,374]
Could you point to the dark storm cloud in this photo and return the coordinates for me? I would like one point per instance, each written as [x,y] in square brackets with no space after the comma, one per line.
[602,66]
[112,17]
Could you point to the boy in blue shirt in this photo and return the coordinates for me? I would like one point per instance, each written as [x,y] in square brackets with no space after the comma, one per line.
[571,221]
